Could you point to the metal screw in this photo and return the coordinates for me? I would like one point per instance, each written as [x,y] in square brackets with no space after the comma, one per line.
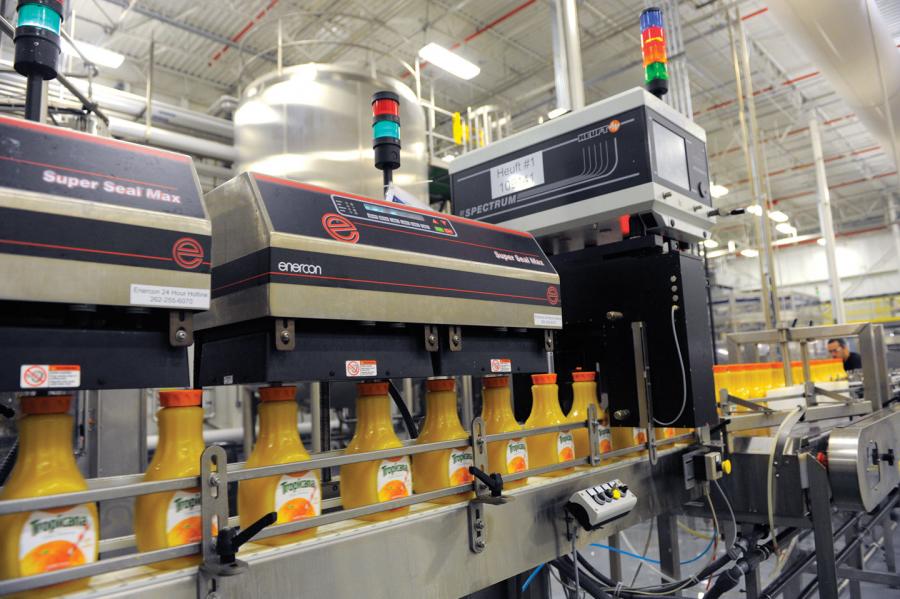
[285,336]
[214,480]
[673,278]
[479,545]
[479,525]
[621,414]
[431,339]
[180,335]
[455,339]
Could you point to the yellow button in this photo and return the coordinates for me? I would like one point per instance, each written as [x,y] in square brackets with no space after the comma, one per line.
[726,466]
[617,494]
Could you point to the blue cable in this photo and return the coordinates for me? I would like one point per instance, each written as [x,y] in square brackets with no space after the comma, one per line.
[651,560]
[531,576]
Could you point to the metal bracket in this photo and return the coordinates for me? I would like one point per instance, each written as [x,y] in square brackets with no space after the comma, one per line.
[432,342]
[645,395]
[181,328]
[749,405]
[594,434]
[477,541]
[833,395]
[454,334]
[548,340]
[285,339]
[215,580]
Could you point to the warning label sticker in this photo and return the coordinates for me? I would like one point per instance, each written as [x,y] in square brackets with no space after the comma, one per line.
[49,376]
[547,320]
[501,365]
[362,368]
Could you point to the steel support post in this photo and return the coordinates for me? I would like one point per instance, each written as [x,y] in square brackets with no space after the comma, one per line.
[325,424]
[820,508]
[669,552]
[615,558]
[854,561]
[826,222]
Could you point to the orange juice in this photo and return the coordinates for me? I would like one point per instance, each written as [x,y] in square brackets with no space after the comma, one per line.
[375,481]
[584,394]
[627,436]
[54,538]
[447,467]
[294,496]
[550,448]
[172,518]
[504,457]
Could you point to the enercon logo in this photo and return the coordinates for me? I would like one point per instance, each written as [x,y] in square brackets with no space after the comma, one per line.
[297,268]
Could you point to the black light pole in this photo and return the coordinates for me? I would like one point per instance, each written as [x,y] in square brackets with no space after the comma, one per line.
[37,48]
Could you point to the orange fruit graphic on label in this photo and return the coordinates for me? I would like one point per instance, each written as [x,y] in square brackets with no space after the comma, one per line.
[566,454]
[517,464]
[605,445]
[51,556]
[393,489]
[460,476]
[186,531]
[296,509]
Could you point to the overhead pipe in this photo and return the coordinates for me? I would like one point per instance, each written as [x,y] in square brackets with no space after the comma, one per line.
[172,140]
[850,44]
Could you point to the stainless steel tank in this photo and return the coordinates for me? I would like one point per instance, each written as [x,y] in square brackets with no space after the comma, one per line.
[313,123]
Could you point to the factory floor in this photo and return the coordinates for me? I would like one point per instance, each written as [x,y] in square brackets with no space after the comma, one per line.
[691,546]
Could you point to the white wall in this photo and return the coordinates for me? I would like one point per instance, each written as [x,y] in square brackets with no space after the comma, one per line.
[867,265]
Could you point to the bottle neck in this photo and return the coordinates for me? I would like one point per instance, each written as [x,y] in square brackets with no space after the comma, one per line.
[441,416]
[278,424]
[583,395]
[373,414]
[180,430]
[546,399]
[45,444]
[497,405]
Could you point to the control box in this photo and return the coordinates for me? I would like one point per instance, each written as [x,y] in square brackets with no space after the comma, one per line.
[595,506]
[575,176]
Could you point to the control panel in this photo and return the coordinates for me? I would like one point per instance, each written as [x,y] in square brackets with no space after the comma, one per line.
[395,217]
[595,506]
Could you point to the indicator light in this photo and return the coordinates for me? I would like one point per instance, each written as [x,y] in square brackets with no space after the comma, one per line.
[37,48]
[653,51]
[386,133]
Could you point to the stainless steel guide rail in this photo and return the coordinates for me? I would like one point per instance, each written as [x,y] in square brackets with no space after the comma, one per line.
[102,489]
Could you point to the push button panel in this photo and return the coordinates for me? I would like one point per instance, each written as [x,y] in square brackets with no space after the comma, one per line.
[595,506]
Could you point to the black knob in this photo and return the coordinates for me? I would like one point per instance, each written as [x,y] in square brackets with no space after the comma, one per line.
[623,488]
[229,540]
[608,493]
[493,481]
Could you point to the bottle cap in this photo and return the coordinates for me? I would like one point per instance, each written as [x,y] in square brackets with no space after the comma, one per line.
[440,385]
[544,379]
[581,376]
[45,404]
[288,393]
[180,398]
[367,389]
[495,382]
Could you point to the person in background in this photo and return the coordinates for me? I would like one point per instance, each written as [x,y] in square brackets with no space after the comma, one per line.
[838,348]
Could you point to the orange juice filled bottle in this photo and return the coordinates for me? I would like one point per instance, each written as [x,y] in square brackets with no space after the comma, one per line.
[550,448]
[446,467]
[294,496]
[53,538]
[504,457]
[584,394]
[172,518]
[375,481]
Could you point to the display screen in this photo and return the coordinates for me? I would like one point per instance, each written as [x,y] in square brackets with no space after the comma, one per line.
[392,212]
[671,158]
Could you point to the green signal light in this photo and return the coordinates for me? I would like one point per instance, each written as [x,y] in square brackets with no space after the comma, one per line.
[655,70]
[40,16]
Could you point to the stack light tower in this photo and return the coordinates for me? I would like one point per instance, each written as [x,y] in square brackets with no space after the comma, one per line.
[653,49]
[386,133]
[37,48]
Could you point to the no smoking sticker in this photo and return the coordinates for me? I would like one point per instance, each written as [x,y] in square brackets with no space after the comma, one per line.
[49,376]
[501,365]
[362,368]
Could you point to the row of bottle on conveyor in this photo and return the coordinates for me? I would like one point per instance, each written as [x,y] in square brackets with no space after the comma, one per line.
[49,540]
[755,380]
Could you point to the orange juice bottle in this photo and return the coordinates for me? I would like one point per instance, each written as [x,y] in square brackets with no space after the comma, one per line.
[172,518]
[375,481]
[504,457]
[584,394]
[447,467]
[53,538]
[549,448]
[294,496]
[627,436]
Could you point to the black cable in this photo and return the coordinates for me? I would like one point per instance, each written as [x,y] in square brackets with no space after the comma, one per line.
[404,411]
[595,572]
[590,586]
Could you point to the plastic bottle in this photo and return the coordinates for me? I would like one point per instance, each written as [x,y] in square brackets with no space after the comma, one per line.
[627,436]
[375,481]
[584,394]
[172,518]
[504,457]
[550,448]
[54,538]
[447,467]
[294,496]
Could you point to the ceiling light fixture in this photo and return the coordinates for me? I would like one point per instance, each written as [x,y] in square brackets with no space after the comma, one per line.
[754,209]
[710,243]
[557,112]
[718,191]
[95,54]
[778,216]
[749,253]
[821,241]
[786,228]
[449,61]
